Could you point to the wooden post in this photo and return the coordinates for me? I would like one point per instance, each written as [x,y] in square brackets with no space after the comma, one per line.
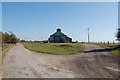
[108,42]
[101,42]
[113,42]
[104,42]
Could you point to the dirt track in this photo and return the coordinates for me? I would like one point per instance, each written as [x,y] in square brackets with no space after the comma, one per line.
[93,62]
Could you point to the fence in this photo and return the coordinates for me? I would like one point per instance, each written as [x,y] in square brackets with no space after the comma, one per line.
[4,46]
[104,42]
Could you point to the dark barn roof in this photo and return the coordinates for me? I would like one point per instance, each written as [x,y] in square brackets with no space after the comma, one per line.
[59,32]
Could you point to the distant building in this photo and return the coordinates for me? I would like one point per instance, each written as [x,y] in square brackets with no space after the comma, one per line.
[59,37]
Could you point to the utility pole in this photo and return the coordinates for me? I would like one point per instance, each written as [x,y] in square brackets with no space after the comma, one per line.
[88,36]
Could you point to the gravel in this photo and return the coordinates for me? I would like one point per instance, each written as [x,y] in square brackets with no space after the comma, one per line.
[93,62]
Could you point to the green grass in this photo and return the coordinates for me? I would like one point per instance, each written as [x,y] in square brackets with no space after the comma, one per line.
[55,48]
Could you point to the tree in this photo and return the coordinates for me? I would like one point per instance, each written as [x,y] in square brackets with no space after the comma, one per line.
[6,37]
[23,41]
[118,34]
[10,38]
[13,38]
[3,38]
[0,38]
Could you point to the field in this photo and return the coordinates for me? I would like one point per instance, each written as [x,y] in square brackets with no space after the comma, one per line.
[55,48]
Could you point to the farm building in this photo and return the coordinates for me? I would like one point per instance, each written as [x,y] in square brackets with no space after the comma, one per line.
[59,37]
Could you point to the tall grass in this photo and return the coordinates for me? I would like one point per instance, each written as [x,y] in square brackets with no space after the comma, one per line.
[54,48]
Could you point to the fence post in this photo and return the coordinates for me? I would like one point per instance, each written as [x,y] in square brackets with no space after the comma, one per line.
[108,42]
[104,42]
[113,42]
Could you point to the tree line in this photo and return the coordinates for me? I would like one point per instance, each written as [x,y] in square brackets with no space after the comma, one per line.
[8,38]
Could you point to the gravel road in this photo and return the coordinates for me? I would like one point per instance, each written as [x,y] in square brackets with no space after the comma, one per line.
[93,62]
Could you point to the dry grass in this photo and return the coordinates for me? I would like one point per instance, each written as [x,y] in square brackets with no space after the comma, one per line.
[4,52]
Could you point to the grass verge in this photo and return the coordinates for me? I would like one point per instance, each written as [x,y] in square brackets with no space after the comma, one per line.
[55,48]
[4,52]
[115,49]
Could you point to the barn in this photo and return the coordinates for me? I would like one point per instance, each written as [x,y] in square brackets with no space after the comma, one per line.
[59,37]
